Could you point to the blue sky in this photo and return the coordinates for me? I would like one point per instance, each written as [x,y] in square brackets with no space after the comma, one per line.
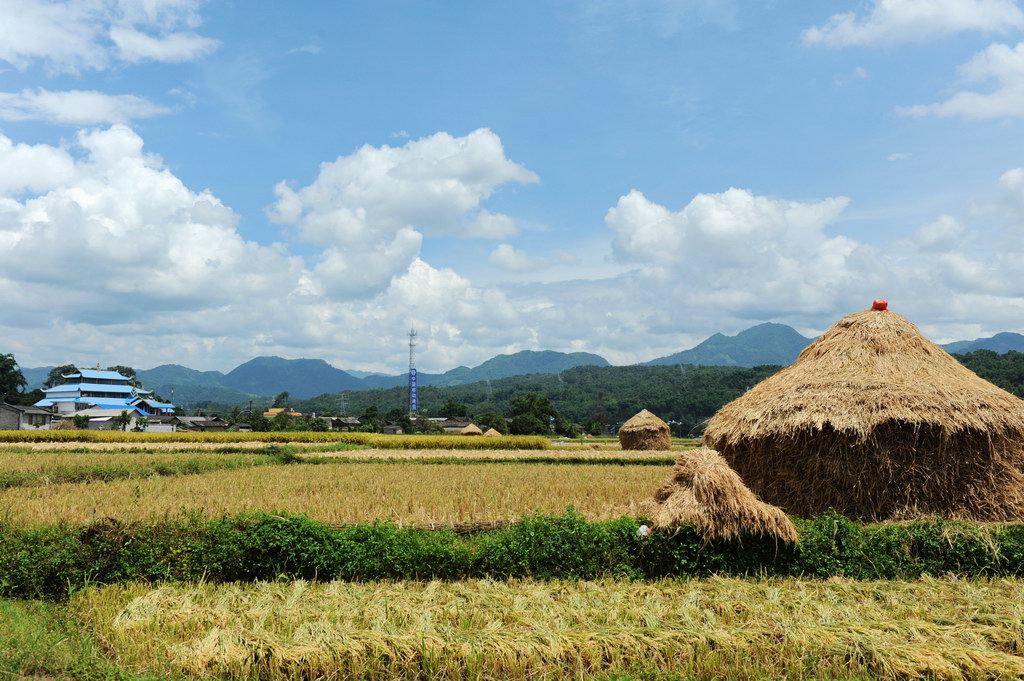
[204,182]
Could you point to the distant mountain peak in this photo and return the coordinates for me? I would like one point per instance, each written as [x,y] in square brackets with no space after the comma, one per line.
[766,343]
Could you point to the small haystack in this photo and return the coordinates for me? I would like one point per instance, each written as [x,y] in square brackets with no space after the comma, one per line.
[491,432]
[645,431]
[66,423]
[703,491]
[472,429]
[877,422]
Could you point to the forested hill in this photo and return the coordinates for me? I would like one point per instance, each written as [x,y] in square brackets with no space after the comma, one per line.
[1006,371]
[687,394]
[609,394]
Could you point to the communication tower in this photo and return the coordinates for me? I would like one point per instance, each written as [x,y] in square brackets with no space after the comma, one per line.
[413,406]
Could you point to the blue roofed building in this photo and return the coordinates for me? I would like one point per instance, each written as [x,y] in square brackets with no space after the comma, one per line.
[91,388]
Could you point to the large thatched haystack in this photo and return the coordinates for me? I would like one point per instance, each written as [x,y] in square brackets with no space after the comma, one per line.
[472,429]
[704,492]
[878,422]
[491,432]
[645,431]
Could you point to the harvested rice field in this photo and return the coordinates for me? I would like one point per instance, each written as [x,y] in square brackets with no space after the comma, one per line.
[709,629]
[41,462]
[340,493]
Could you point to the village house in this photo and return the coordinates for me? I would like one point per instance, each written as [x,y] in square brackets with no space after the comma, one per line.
[24,417]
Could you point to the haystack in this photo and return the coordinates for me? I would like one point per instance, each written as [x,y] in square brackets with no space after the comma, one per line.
[66,423]
[645,431]
[878,422]
[471,429]
[703,491]
[491,432]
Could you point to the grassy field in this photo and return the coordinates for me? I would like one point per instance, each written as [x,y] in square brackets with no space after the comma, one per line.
[711,629]
[408,493]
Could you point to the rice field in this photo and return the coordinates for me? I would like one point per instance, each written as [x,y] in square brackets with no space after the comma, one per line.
[408,493]
[710,629]
[44,462]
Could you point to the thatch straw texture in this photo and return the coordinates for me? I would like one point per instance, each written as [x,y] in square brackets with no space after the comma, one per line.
[645,431]
[491,432]
[472,429]
[878,422]
[704,492]
[66,423]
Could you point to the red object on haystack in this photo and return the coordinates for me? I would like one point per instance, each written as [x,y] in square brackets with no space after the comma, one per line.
[880,304]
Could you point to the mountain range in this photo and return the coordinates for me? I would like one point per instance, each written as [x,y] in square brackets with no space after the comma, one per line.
[264,377]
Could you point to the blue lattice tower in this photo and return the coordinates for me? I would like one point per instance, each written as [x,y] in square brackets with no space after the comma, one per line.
[413,405]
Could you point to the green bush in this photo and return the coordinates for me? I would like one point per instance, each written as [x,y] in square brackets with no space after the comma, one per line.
[47,562]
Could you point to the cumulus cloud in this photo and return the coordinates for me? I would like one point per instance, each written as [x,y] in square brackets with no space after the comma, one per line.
[114,227]
[371,206]
[510,259]
[75,107]
[891,22]
[70,36]
[134,267]
[999,64]
[940,235]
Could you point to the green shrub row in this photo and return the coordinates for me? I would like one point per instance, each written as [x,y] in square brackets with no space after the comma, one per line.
[49,561]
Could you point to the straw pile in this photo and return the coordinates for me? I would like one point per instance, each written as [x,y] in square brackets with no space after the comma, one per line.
[66,423]
[472,429]
[704,492]
[645,431]
[491,432]
[878,422]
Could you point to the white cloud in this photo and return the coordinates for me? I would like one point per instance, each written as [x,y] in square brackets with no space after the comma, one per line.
[372,205]
[513,260]
[136,268]
[1000,64]
[118,222]
[75,107]
[70,36]
[898,156]
[890,22]
[35,168]
[487,225]
[136,46]
[940,235]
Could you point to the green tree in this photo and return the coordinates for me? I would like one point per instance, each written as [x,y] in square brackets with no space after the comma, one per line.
[81,421]
[122,420]
[127,372]
[492,420]
[281,400]
[453,409]
[12,382]
[56,375]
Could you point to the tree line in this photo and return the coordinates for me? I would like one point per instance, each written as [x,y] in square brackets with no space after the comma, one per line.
[588,397]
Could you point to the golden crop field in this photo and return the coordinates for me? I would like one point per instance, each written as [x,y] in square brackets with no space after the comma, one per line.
[368,439]
[408,493]
[42,462]
[707,629]
[583,455]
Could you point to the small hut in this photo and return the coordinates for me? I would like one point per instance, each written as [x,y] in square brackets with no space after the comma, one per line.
[877,422]
[491,432]
[645,431]
[472,429]
[704,492]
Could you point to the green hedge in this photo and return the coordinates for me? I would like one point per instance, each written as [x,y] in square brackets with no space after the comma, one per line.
[48,562]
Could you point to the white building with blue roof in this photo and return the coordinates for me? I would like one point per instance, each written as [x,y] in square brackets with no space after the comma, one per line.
[88,388]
